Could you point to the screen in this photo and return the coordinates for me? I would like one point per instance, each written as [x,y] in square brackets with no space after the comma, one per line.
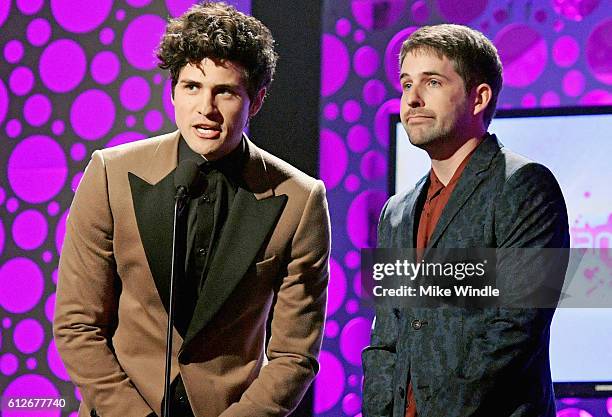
[577,148]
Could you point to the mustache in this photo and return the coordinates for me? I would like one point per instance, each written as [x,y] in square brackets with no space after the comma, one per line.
[422,113]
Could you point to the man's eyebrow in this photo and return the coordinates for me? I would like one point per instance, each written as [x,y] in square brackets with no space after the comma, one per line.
[427,73]
[435,73]
[231,86]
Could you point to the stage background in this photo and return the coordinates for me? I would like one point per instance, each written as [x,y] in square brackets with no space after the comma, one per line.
[555,53]
[74,79]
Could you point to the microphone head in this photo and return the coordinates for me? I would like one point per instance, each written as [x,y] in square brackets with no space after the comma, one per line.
[186,176]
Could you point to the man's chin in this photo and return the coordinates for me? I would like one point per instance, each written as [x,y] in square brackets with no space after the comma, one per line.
[421,141]
[202,150]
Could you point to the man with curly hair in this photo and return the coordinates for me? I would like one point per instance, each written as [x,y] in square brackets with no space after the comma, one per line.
[258,243]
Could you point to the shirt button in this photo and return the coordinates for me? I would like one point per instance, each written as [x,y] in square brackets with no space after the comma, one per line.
[206,198]
[416,324]
[202,252]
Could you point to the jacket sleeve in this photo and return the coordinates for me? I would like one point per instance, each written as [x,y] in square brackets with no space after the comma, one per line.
[530,213]
[87,300]
[379,357]
[297,319]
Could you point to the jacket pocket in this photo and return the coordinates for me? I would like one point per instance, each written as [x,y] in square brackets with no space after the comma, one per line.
[267,266]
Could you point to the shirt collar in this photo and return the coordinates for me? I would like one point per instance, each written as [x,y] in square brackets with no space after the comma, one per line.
[231,165]
[436,186]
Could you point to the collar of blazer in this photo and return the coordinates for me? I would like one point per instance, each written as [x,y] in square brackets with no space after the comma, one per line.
[164,157]
[254,213]
[471,177]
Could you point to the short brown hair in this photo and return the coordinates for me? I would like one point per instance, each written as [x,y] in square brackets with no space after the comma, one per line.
[218,30]
[474,56]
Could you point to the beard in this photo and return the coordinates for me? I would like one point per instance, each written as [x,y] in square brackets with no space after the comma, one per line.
[438,133]
[425,136]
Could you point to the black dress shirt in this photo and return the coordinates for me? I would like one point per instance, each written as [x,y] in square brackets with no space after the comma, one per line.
[208,208]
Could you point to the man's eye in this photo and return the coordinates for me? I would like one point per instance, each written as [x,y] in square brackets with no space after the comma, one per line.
[191,87]
[434,83]
[407,86]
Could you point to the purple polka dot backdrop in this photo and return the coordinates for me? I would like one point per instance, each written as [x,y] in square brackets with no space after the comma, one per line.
[555,53]
[75,77]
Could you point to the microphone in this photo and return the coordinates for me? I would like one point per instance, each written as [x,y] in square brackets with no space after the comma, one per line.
[187,179]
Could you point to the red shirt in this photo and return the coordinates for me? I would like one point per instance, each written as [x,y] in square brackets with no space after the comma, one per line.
[437,198]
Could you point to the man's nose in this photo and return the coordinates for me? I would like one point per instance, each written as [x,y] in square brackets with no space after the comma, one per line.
[207,104]
[413,97]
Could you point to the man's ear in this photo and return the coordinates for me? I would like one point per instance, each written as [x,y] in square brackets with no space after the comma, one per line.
[482,98]
[172,96]
[257,102]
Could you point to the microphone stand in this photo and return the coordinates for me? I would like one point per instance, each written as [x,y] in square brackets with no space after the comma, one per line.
[178,267]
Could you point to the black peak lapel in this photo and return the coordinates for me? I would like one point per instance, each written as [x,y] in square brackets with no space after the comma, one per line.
[248,225]
[154,209]
[470,179]
[152,187]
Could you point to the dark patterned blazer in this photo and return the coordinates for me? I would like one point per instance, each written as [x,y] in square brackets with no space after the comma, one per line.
[490,362]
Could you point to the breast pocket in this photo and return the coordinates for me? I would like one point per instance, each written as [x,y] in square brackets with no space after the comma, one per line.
[259,281]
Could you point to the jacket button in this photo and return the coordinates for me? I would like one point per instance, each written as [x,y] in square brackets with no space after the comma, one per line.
[416,324]
[401,392]
[202,252]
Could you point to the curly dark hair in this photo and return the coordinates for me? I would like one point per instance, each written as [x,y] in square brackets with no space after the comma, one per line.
[474,57]
[218,30]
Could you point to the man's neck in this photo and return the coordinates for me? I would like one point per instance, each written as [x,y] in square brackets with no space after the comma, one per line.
[445,168]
